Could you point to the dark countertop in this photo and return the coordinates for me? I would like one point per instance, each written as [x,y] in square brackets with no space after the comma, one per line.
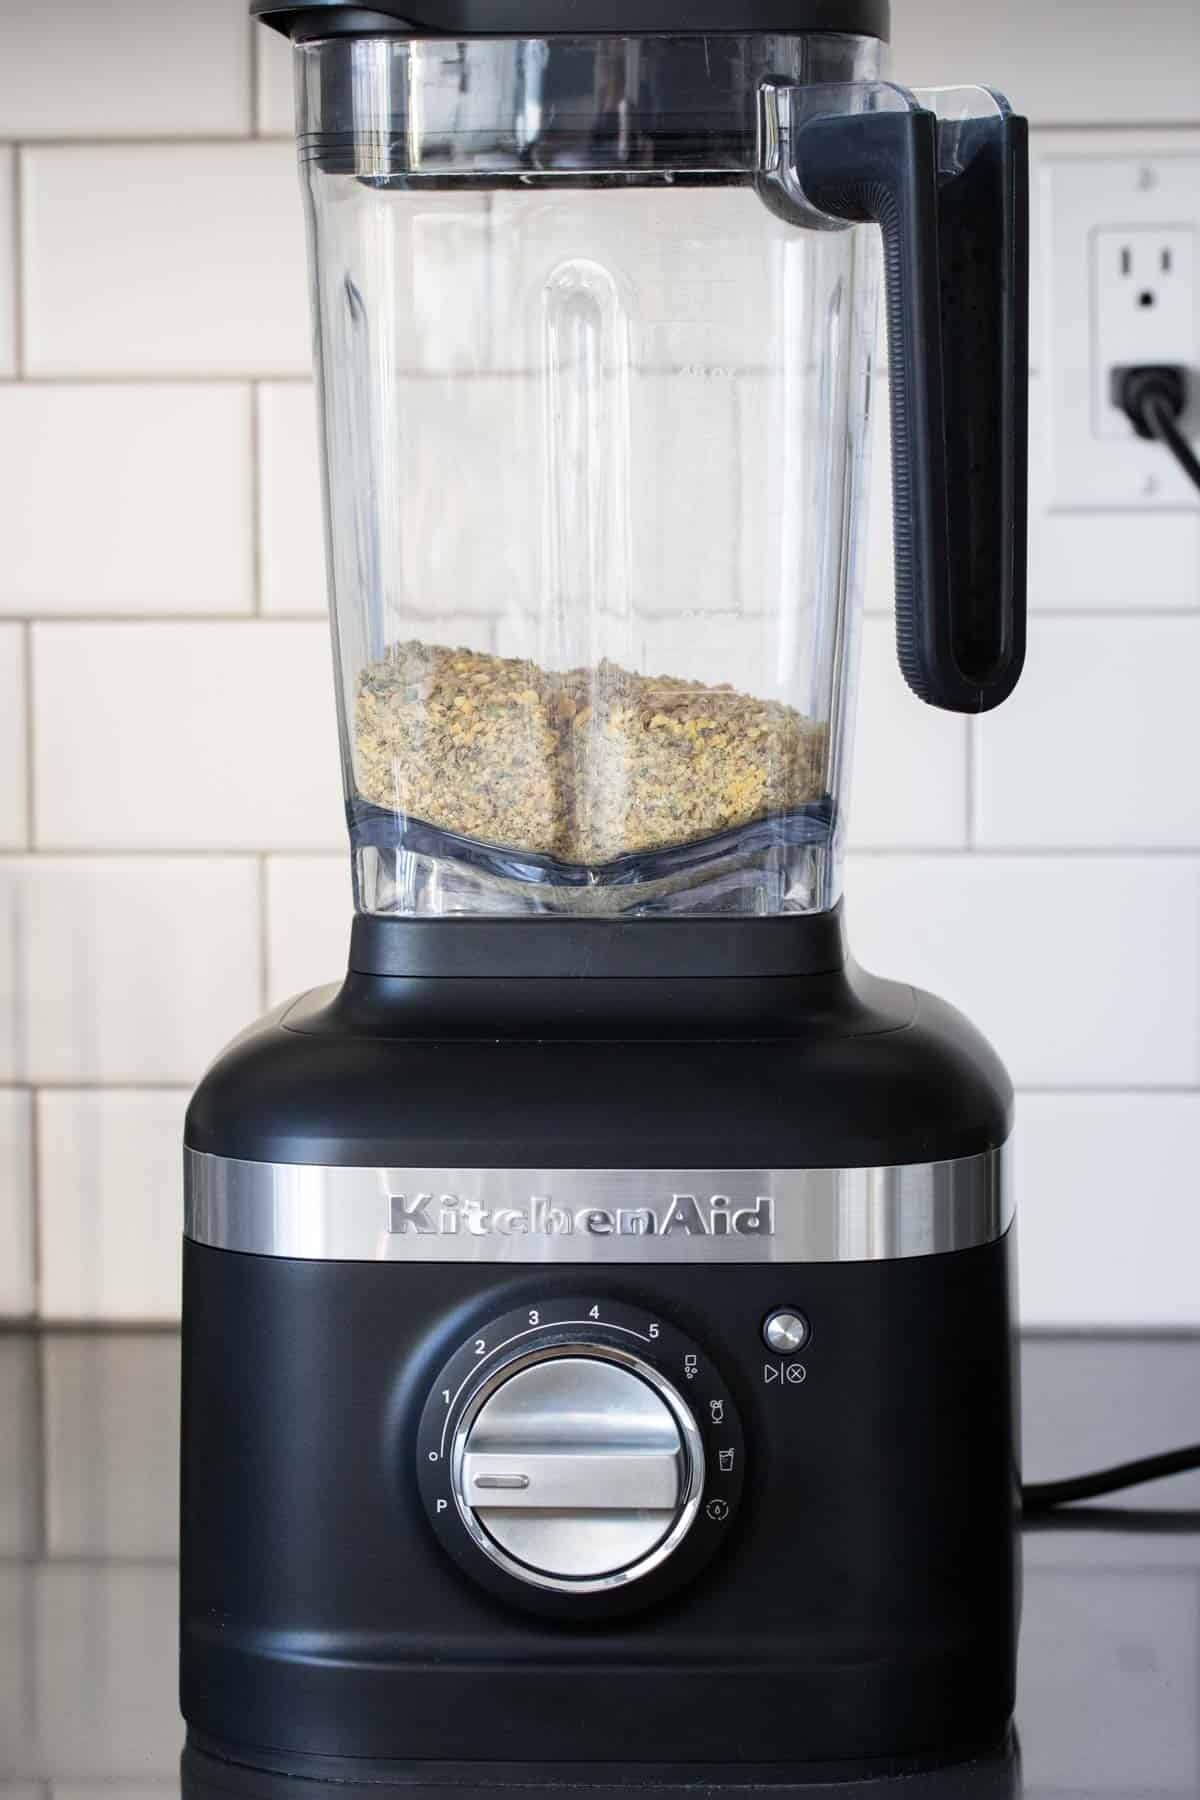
[1110,1667]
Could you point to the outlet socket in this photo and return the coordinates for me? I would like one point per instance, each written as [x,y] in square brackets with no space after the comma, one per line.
[1143,309]
[1120,244]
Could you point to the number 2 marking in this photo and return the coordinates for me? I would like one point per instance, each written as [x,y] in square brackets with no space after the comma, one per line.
[480,1346]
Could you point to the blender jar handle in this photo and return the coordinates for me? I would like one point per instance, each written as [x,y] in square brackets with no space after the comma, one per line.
[951,198]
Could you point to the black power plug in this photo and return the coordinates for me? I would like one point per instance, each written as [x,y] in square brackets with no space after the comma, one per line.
[1154,397]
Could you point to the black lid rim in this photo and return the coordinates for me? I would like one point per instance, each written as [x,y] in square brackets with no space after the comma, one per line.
[574,18]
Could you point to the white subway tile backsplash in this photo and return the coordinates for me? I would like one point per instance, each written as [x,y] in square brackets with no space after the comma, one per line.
[118,498]
[164,259]
[13,739]
[1083,971]
[8,261]
[185,737]
[111,1435]
[309,909]
[124,969]
[1137,67]
[1040,867]
[110,1198]
[276,88]
[910,760]
[17,1297]
[292,542]
[1096,747]
[1108,1228]
[1103,561]
[85,71]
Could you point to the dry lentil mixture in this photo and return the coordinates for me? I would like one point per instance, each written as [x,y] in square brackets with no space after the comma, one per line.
[585,765]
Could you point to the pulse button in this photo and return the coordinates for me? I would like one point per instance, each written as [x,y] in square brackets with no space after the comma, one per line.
[786,1331]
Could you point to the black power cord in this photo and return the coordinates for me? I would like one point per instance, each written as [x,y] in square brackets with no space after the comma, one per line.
[1154,397]
[1044,1496]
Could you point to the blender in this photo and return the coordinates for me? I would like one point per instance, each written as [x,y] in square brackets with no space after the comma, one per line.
[598,1313]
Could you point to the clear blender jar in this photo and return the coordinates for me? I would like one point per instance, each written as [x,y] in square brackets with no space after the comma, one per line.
[595,328]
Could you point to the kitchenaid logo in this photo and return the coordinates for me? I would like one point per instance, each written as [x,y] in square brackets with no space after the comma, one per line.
[686,1215]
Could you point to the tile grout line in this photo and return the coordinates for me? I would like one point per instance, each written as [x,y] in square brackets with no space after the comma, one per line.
[168,378]
[160,615]
[83,1085]
[107,1327]
[1031,853]
[41,1473]
[253,74]
[165,618]
[256,500]
[151,1085]
[30,738]
[204,853]
[18,253]
[148,1085]
[117,140]
[264,934]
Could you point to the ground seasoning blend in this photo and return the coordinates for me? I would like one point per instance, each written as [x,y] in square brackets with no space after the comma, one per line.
[585,766]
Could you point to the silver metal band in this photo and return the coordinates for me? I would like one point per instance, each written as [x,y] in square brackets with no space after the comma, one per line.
[596,1216]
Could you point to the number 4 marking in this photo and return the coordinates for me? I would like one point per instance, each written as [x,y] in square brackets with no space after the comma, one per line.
[593,1312]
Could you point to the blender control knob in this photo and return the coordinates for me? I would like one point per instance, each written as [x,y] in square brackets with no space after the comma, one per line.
[579,1456]
[578,1466]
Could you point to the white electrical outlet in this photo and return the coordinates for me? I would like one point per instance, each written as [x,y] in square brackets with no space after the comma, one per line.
[1119,253]
[1144,309]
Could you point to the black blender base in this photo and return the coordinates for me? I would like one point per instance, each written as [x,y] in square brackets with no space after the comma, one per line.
[212,1771]
[861,1619]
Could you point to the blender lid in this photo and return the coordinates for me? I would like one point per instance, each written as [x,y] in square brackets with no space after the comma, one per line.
[573,18]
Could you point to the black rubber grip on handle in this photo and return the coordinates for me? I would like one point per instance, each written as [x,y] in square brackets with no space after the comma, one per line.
[951,198]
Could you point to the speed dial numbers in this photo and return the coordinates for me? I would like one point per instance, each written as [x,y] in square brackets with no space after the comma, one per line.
[580,1456]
